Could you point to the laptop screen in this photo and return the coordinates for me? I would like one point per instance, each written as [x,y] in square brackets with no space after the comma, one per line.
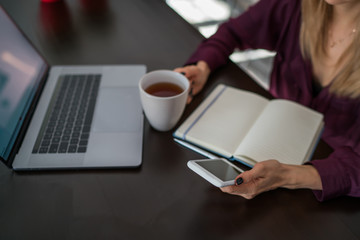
[21,69]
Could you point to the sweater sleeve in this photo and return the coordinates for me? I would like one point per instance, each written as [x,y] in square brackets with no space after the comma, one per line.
[260,26]
[340,174]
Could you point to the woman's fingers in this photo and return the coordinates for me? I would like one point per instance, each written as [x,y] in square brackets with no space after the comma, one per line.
[263,177]
[197,76]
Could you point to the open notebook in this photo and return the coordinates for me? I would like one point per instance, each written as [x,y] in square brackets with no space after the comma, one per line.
[249,128]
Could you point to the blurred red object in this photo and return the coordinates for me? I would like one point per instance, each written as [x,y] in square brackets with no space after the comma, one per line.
[55,18]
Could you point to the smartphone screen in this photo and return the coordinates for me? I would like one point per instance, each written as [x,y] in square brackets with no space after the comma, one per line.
[220,169]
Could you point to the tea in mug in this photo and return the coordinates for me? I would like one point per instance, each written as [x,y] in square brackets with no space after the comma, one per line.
[164,89]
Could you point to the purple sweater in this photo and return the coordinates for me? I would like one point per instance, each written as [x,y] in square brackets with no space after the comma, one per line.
[275,25]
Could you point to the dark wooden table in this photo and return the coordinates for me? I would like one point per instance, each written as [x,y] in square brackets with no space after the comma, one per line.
[162,199]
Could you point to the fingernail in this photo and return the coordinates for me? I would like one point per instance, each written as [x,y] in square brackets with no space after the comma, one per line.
[191,92]
[239,181]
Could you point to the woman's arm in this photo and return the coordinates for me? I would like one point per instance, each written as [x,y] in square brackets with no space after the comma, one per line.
[337,175]
[271,174]
[262,26]
[340,173]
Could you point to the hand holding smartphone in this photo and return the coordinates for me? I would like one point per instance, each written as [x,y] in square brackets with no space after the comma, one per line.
[218,172]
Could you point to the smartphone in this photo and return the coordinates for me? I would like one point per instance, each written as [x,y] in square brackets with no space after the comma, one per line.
[219,172]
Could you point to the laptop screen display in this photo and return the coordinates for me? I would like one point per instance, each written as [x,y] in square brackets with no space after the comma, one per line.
[21,69]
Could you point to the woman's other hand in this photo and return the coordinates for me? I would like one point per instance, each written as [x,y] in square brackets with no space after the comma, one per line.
[271,174]
[197,75]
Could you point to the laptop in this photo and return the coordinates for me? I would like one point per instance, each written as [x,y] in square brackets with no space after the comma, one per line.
[65,117]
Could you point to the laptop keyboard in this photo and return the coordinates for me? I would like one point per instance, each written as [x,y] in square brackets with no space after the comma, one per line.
[67,123]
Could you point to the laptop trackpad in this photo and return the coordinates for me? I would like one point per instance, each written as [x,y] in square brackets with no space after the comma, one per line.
[118,110]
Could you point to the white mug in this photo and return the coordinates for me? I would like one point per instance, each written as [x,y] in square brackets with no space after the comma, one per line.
[163,112]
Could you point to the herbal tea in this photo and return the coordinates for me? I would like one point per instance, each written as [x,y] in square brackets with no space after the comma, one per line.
[164,89]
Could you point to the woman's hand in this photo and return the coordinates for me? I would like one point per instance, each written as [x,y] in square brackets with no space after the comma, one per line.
[197,75]
[271,174]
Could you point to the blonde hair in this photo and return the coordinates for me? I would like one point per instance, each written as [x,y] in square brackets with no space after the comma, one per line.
[316,16]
